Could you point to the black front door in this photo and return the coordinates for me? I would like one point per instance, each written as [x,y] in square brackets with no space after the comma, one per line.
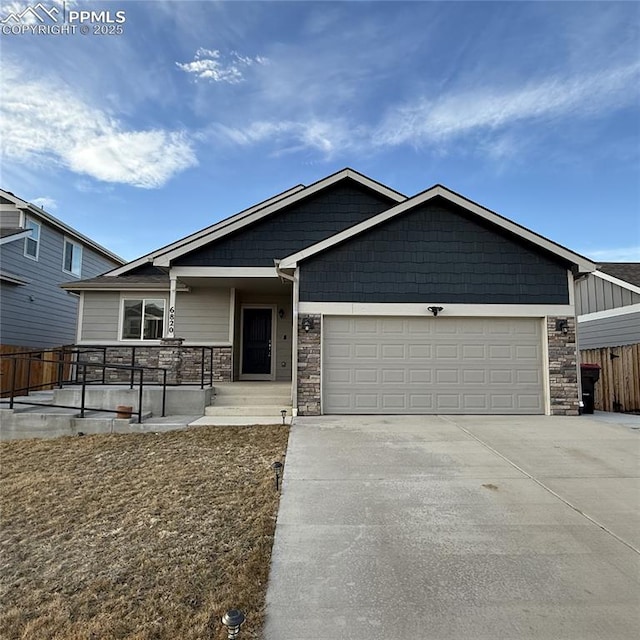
[256,342]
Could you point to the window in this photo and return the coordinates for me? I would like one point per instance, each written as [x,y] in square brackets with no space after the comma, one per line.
[72,258]
[32,243]
[142,319]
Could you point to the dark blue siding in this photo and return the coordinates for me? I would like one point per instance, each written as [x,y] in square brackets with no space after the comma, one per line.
[329,211]
[435,253]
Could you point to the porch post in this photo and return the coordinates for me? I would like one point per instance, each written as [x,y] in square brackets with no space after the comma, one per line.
[171,324]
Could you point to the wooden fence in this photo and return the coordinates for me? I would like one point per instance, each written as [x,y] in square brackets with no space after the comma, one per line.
[36,372]
[619,386]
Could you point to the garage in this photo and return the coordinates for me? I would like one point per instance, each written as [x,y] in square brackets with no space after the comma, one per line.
[422,365]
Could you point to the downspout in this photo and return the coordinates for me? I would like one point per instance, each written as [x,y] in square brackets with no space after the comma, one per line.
[294,335]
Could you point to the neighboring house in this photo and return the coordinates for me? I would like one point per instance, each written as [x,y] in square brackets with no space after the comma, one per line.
[366,300]
[608,306]
[37,254]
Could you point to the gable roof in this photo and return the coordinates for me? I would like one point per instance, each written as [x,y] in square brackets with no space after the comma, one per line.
[584,264]
[36,212]
[163,257]
[627,271]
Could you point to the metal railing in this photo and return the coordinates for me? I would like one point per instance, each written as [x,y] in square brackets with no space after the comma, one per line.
[80,378]
[206,357]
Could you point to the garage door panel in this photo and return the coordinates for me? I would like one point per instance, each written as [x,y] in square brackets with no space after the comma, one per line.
[395,365]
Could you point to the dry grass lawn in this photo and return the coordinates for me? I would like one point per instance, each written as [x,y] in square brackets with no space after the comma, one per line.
[139,536]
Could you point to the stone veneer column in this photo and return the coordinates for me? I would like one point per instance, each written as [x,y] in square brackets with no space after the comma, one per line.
[222,363]
[563,372]
[170,358]
[309,367]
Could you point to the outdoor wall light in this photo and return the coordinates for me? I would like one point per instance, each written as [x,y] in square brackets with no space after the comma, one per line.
[307,324]
[280,313]
[435,310]
[562,325]
[277,468]
[283,413]
[233,619]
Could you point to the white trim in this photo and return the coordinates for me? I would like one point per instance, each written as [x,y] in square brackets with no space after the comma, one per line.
[146,343]
[170,326]
[572,288]
[420,309]
[23,207]
[13,278]
[259,376]
[294,341]
[232,313]
[125,295]
[149,257]
[75,245]
[122,287]
[29,237]
[583,263]
[80,318]
[546,375]
[617,281]
[610,313]
[224,272]
[234,224]
[14,237]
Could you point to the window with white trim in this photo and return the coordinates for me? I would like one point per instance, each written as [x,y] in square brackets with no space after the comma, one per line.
[142,318]
[72,257]
[32,243]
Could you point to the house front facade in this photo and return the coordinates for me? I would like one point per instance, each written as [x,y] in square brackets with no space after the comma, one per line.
[38,252]
[365,300]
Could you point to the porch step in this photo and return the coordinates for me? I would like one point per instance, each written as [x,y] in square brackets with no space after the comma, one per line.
[249,410]
[275,400]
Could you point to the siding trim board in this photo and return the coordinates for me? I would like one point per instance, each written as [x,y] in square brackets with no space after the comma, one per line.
[609,313]
[613,280]
[420,309]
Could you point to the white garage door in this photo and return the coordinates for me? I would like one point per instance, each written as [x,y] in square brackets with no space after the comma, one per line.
[431,365]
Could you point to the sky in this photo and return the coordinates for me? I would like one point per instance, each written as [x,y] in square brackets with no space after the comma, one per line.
[165,117]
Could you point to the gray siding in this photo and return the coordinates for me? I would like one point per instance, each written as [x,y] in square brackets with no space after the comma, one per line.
[202,315]
[9,217]
[100,316]
[40,314]
[595,294]
[285,232]
[609,332]
[434,253]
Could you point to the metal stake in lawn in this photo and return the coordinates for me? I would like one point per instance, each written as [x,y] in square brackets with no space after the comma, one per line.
[277,468]
[233,619]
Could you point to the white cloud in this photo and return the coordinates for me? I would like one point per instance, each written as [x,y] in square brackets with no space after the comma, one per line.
[620,254]
[455,114]
[48,204]
[328,137]
[44,123]
[208,64]
[144,158]
[486,118]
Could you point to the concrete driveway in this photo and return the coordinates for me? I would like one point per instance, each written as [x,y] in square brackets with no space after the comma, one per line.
[458,527]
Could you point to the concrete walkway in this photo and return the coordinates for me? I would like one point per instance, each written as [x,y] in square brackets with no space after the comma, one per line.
[466,528]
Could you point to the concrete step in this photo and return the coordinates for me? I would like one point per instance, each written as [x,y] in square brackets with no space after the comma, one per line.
[275,400]
[237,421]
[248,410]
[252,388]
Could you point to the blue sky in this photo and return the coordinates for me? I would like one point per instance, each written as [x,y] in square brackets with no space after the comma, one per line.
[200,109]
